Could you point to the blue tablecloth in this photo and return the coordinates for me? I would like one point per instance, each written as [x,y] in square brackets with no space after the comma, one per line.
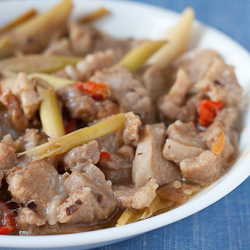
[226,224]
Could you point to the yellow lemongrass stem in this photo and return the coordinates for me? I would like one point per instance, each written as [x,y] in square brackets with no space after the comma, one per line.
[136,217]
[219,144]
[50,115]
[37,63]
[152,208]
[25,16]
[54,81]
[177,38]
[126,215]
[97,14]
[135,58]
[65,143]
[34,35]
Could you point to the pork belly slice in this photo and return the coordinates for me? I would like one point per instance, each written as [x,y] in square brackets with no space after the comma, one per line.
[90,200]
[79,106]
[149,161]
[174,105]
[176,151]
[220,83]
[79,157]
[126,90]
[39,187]
[86,68]
[24,90]
[196,62]
[153,81]
[186,133]
[7,156]
[202,170]
[129,197]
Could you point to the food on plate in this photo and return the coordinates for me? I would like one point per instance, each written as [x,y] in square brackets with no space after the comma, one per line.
[99,132]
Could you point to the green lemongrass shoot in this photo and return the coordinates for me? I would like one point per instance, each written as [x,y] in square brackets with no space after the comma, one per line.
[65,143]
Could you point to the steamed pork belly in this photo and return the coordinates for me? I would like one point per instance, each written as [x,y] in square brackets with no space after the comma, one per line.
[153,81]
[149,161]
[203,169]
[195,62]
[86,68]
[79,157]
[90,200]
[22,101]
[120,147]
[185,133]
[174,105]
[176,151]
[43,194]
[79,106]
[220,83]
[129,197]
[127,91]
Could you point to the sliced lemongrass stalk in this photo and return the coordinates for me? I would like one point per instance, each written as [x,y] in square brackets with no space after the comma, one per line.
[126,215]
[25,16]
[177,38]
[151,209]
[54,81]
[97,14]
[136,217]
[219,144]
[37,63]
[50,115]
[135,58]
[65,143]
[34,35]
[156,205]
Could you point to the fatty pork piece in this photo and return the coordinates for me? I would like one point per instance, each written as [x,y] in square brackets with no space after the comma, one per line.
[184,141]
[120,145]
[127,91]
[174,105]
[79,157]
[149,162]
[220,84]
[195,62]
[80,106]
[7,153]
[129,197]
[224,121]
[22,101]
[203,169]
[153,81]
[40,188]
[59,47]
[91,198]
[86,68]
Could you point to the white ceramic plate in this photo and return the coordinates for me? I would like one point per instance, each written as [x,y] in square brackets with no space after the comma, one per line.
[131,19]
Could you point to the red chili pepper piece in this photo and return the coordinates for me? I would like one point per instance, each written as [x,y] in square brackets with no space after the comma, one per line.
[70,126]
[104,155]
[7,221]
[207,111]
[98,91]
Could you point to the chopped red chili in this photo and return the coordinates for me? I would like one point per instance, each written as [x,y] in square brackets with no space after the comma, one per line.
[7,222]
[98,91]
[104,155]
[207,111]
[70,126]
